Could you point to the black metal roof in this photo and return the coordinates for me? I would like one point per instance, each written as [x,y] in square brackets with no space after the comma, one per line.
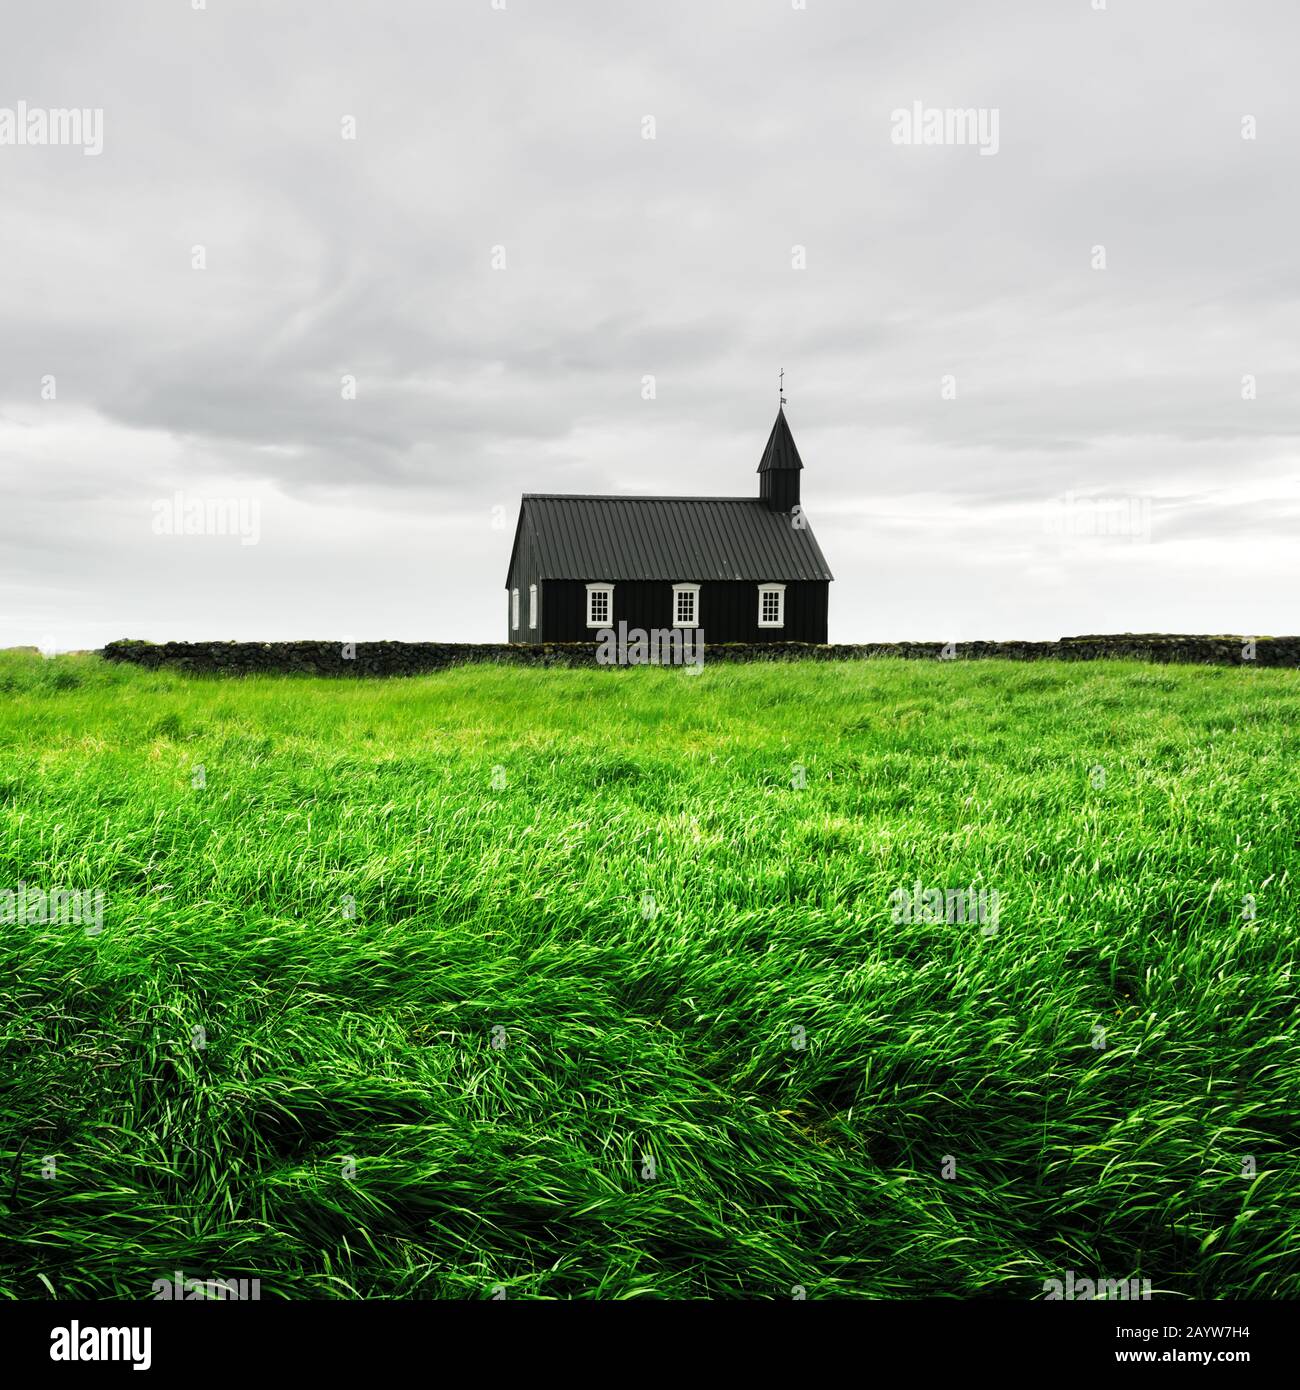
[679,538]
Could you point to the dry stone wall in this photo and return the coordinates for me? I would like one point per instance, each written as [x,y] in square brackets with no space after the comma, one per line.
[416,658]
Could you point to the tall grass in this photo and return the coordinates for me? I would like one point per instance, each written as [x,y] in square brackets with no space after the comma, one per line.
[585,984]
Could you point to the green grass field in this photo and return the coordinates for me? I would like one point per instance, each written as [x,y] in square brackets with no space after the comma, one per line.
[499,977]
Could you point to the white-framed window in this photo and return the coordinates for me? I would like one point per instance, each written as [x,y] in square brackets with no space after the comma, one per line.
[532,605]
[686,605]
[514,610]
[600,605]
[771,605]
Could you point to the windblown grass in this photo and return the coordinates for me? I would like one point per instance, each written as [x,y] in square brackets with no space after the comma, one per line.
[277,1059]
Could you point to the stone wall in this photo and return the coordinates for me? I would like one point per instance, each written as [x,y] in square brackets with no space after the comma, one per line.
[415,658]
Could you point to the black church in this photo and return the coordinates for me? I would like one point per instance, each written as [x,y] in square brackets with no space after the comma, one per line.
[740,569]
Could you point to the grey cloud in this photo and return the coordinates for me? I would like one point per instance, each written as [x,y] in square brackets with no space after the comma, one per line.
[627,258]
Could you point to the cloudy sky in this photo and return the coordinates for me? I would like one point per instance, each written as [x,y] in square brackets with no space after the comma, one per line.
[500,259]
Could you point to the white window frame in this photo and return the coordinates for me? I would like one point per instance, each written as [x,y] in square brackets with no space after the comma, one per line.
[532,607]
[514,610]
[779,591]
[694,591]
[608,591]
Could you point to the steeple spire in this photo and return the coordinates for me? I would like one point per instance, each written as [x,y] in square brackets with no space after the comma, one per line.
[780,466]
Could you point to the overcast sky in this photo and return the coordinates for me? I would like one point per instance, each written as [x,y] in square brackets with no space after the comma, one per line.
[950,513]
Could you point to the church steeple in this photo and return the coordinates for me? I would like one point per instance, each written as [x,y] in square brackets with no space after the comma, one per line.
[780,466]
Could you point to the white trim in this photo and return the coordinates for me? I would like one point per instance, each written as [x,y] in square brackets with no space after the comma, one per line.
[608,591]
[514,610]
[694,591]
[779,591]
[532,606]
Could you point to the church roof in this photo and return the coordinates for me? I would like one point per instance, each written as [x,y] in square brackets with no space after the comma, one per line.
[677,538]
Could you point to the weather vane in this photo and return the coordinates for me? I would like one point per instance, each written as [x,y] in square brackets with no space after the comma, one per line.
[780,390]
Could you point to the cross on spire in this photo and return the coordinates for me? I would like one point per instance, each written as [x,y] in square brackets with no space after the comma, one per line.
[780,390]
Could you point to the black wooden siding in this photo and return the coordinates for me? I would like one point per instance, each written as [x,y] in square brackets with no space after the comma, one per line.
[728,610]
[524,574]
